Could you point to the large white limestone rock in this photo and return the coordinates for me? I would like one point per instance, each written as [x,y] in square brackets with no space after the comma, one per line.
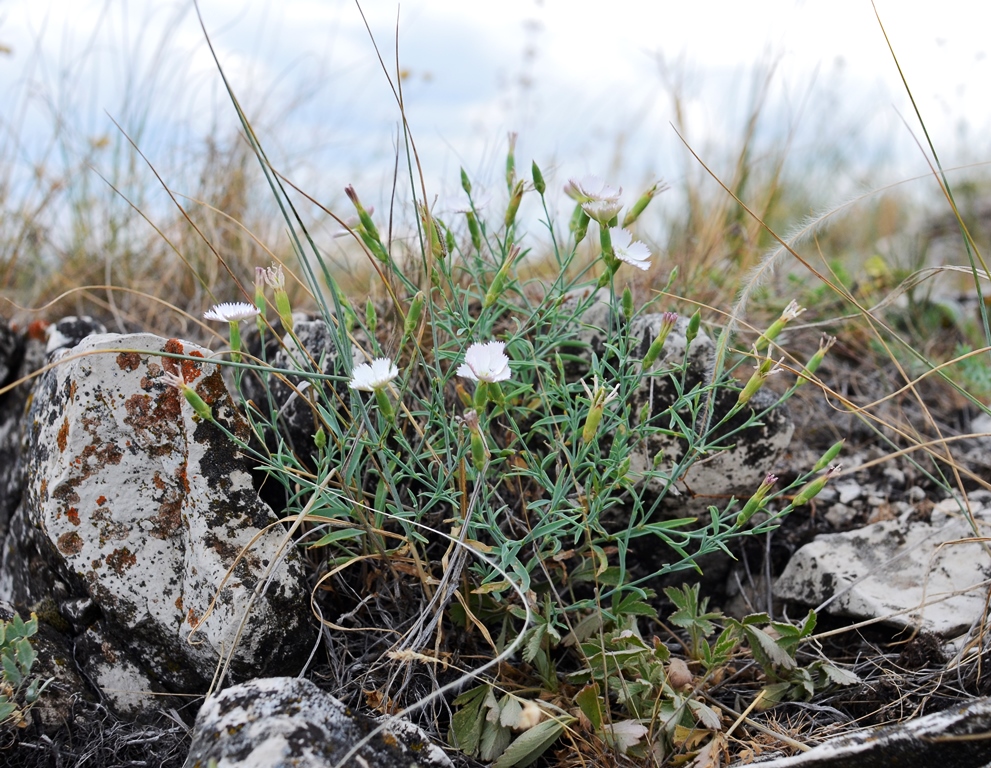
[146,508]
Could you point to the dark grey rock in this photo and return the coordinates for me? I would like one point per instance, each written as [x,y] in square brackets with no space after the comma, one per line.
[287,722]
[953,738]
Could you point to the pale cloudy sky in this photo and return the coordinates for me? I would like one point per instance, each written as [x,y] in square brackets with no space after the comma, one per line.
[587,84]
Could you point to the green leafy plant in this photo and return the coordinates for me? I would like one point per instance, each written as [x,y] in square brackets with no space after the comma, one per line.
[19,689]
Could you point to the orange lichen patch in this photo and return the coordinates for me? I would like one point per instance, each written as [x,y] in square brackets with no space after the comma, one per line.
[193,618]
[128,361]
[70,543]
[178,603]
[190,371]
[120,560]
[101,501]
[38,330]
[169,517]
[63,435]
[182,477]
[73,515]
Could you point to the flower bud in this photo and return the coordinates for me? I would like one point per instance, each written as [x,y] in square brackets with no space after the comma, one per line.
[810,368]
[811,490]
[277,280]
[579,223]
[465,183]
[511,162]
[320,438]
[638,207]
[757,501]
[627,304]
[363,216]
[430,227]
[788,314]
[479,450]
[657,346]
[371,318]
[197,403]
[260,302]
[693,329]
[499,281]
[473,229]
[828,456]
[538,179]
[515,197]
[599,397]
[762,370]
[414,313]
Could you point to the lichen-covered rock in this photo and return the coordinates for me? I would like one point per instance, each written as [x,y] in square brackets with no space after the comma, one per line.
[283,722]
[906,572]
[141,506]
[21,354]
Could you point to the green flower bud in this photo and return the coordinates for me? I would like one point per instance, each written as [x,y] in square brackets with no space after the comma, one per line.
[640,205]
[810,368]
[657,346]
[473,229]
[756,502]
[515,197]
[371,318]
[384,404]
[693,329]
[366,220]
[320,439]
[828,456]
[479,450]
[197,403]
[465,183]
[499,281]
[599,397]
[762,370]
[627,304]
[511,162]
[414,313]
[579,223]
[538,179]
[790,313]
[811,490]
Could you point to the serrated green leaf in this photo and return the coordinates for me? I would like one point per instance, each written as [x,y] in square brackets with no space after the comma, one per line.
[767,652]
[494,741]
[530,745]
[633,605]
[466,724]
[532,647]
[18,625]
[840,676]
[510,710]
[11,672]
[25,655]
[590,704]
[7,708]
[705,714]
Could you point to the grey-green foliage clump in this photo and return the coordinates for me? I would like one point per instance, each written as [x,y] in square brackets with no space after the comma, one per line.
[469,446]
[19,689]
